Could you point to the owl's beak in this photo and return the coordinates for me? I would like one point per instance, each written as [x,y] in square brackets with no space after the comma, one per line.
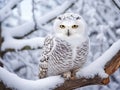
[68,33]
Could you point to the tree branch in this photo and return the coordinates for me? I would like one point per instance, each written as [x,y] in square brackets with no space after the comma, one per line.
[110,68]
[20,45]
[116,4]
[24,48]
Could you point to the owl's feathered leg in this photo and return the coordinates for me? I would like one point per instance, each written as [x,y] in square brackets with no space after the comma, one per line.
[70,74]
[43,67]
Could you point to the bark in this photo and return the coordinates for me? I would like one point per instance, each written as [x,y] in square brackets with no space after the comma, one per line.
[3,87]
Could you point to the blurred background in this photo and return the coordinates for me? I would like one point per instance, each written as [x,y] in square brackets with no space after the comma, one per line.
[25,23]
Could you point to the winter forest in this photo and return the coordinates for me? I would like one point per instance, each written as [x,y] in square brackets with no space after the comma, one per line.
[24,24]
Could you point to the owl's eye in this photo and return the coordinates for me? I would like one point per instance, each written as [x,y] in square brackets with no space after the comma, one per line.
[74,26]
[62,26]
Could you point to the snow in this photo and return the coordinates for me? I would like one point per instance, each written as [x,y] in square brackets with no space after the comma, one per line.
[97,67]
[55,12]
[18,22]
[20,30]
[13,81]
[5,11]
[25,28]
[118,31]
[26,13]
[19,44]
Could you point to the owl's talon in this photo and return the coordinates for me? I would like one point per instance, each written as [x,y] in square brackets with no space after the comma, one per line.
[67,75]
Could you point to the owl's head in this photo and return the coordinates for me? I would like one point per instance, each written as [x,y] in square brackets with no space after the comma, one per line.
[69,24]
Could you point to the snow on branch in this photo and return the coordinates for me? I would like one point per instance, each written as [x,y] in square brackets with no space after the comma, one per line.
[97,72]
[17,31]
[13,81]
[6,10]
[24,44]
[97,67]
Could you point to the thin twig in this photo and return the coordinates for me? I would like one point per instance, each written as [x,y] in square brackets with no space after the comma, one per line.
[116,4]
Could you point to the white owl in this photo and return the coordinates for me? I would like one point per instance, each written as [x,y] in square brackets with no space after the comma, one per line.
[66,51]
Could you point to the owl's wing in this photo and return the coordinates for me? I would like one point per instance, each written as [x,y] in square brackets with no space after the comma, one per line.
[47,49]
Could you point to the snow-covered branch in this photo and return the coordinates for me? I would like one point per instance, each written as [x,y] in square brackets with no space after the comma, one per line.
[18,31]
[13,81]
[24,44]
[6,10]
[96,73]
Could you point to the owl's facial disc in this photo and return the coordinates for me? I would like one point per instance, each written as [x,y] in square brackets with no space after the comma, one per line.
[69,26]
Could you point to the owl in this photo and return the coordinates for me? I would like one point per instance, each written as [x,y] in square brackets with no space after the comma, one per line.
[66,50]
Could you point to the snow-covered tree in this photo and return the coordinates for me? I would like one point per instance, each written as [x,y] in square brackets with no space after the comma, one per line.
[25,23]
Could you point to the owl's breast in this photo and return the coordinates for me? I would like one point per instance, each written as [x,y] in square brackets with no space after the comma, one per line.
[64,57]
[60,58]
